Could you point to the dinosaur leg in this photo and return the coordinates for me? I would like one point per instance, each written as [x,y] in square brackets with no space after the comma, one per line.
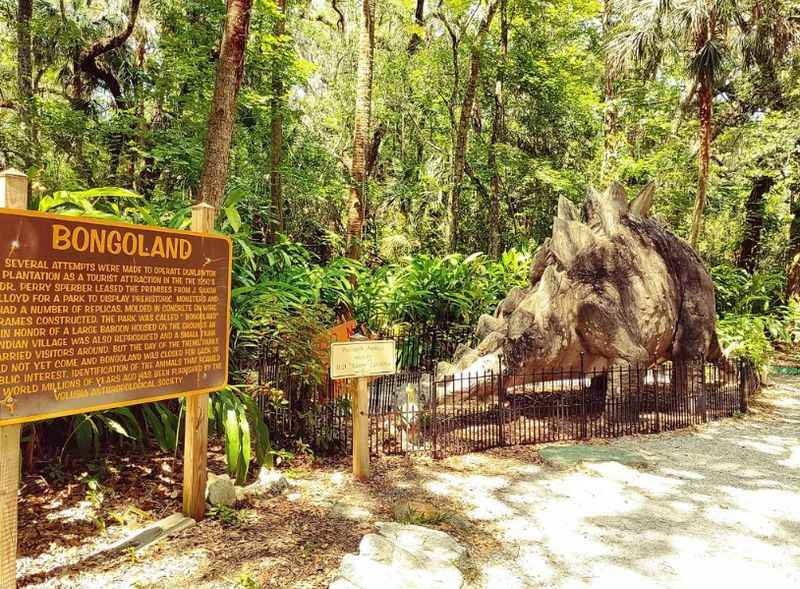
[624,389]
[688,387]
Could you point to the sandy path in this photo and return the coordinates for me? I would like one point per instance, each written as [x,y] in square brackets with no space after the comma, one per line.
[716,506]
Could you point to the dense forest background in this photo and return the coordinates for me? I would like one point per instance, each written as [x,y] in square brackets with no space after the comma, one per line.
[397,161]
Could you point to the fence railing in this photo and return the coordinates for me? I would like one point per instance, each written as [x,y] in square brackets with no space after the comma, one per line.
[416,411]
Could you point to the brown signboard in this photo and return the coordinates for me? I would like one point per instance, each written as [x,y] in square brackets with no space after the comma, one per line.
[95,314]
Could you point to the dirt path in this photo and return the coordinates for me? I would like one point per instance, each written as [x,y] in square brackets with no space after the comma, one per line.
[718,505]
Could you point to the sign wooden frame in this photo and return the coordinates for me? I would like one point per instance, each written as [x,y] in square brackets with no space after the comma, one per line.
[342,347]
[359,401]
[5,214]
[13,195]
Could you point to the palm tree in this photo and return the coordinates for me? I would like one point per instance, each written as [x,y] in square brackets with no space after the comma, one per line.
[363,113]
[276,224]
[694,31]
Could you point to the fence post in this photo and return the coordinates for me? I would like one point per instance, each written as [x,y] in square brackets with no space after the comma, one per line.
[434,420]
[703,394]
[195,449]
[13,195]
[586,397]
[501,401]
[744,369]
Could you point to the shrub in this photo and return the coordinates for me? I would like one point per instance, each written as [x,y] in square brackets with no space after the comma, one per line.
[745,336]
[740,293]
[433,290]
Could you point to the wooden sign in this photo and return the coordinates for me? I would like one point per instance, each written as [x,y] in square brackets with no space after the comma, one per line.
[357,359]
[95,314]
[361,359]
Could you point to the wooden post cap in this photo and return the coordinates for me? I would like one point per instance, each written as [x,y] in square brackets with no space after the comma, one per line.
[13,189]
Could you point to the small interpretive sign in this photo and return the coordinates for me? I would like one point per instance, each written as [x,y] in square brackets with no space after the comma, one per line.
[359,359]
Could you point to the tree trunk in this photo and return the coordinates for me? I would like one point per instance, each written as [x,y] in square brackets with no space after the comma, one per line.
[705,117]
[793,268]
[460,143]
[358,171]
[223,106]
[754,222]
[498,135]
[793,262]
[25,67]
[609,114]
[276,224]
[416,38]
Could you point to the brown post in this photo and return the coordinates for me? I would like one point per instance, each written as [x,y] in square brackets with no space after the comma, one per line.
[195,451]
[501,402]
[13,195]
[360,408]
[744,385]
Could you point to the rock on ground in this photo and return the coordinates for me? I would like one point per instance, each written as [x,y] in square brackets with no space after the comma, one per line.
[220,490]
[403,557]
[270,482]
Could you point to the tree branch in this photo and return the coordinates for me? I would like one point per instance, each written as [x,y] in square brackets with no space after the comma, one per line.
[416,39]
[105,45]
[87,60]
[341,22]
[374,147]
[481,188]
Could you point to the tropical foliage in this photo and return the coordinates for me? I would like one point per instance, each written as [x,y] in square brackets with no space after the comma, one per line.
[396,162]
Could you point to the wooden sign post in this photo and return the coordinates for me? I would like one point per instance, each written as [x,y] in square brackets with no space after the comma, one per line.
[13,195]
[195,448]
[362,359]
[99,314]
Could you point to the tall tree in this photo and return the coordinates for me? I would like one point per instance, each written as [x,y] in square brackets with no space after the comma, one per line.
[609,114]
[697,30]
[416,37]
[498,135]
[793,253]
[276,146]
[462,129]
[223,105]
[363,113]
[704,70]
[25,66]
[754,222]
[793,269]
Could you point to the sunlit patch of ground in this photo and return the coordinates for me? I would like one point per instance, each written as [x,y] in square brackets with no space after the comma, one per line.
[717,505]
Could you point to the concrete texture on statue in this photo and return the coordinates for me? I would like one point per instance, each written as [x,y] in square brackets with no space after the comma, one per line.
[611,287]
[220,490]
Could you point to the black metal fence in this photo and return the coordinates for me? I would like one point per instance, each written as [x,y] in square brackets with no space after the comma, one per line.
[421,348]
[474,412]
[414,411]
[318,412]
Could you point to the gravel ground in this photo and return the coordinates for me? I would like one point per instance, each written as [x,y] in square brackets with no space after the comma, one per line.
[717,505]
